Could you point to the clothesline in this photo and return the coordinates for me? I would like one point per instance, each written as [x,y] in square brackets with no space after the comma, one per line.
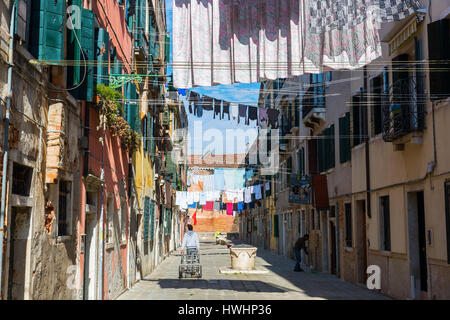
[197,104]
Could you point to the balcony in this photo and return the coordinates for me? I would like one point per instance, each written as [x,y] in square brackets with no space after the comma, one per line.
[141,45]
[404,112]
[313,109]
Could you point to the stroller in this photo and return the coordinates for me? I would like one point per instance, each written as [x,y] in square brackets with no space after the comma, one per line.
[190,264]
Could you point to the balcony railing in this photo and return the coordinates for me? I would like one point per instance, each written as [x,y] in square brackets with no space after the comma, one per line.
[403,109]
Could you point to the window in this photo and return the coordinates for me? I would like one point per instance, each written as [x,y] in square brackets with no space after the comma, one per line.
[447,215]
[318,220]
[385,224]
[301,162]
[21,183]
[357,130]
[123,220]
[345,152]
[348,225]
[332,211]
[109,220]
[64,208]
[376,91]
[439,55]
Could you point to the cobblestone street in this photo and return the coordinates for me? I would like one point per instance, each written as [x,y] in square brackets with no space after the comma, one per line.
[280,283]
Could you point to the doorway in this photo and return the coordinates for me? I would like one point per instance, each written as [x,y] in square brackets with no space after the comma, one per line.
[361,241]
[323,215]
[90,258]
[19,253]
[417,243]
[332,247]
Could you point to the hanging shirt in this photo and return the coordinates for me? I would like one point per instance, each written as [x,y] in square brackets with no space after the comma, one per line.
[252,114]
[196,196]
[208,103]
[242,112]
[262,115]
[240,206]
[272,115]
[202,198]
[225,109]
[234,110]
[229,209]
[216,108]
[190,197]
[248,195]
[267,186]
[257,190]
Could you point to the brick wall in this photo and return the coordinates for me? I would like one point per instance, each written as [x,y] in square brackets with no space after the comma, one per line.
[212,221]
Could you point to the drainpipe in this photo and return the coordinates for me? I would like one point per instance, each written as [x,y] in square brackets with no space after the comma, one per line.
[366,138]
[101,242]
[6,137]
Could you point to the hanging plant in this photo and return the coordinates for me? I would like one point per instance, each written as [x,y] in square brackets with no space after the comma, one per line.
[110,109]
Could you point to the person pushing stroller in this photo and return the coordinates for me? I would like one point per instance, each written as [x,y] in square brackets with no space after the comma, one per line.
[190,241]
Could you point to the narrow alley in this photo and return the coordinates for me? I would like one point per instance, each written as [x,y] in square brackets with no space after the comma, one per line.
[281,283]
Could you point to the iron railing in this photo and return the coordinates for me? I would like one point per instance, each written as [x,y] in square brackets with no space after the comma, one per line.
[403,108]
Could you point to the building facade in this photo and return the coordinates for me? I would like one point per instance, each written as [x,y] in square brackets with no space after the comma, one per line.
[366,149]
[90,129]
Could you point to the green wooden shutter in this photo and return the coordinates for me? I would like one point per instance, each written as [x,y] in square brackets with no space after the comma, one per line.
[152,220]
[147,210]
[332,148]
[102,56]
[344,138]
[86,37]
[47,29]
[167,48]
[133,116]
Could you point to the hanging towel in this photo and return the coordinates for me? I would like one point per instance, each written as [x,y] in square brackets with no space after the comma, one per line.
[216,206]
[240,206]
[252,114]
[242,112]
[262,115]
[229,180]
[193,206]
[209,206]
[190,197]
[225,109]
[239,178]
[229,209]
[196,196]
[272,115]
[219,182]
[217,108]
[234,110]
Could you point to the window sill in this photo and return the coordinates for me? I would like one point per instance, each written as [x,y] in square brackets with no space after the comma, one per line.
[61,239]
[348,249]
[109,246]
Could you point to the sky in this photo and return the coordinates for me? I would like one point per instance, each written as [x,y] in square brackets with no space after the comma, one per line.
[242,93]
